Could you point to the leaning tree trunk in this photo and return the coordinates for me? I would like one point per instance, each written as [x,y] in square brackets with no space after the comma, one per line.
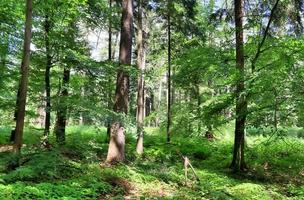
[116,151]
[238,161]
[62,109]
[140,85]
[47,77]
[24,78]
[169,112]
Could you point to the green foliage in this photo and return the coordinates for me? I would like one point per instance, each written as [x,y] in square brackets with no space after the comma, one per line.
[73,171]
[203,81]
[43,166]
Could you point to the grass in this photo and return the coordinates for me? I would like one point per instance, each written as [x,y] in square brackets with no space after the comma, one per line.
[73,171]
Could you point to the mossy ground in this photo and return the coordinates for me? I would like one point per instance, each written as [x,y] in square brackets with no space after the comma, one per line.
[74,171]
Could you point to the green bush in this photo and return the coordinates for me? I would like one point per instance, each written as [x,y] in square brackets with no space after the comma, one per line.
[42,166]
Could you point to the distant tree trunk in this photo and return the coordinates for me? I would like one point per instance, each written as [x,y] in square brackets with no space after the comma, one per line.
[13,132]
[87,91]
[81,121]
[209,132]
[115,44]
[275,117]
[228,110]
[61,118]
[173,95]
[39,121]
[109,77]
[116,151]
[110,32]
[47,77]
[152,122]
[169,112]
[147,105]
[24,78]
[160,91]
[238,161]
[140,84]
[199,102]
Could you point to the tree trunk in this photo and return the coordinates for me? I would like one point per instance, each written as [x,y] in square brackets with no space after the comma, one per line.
[116,151]
[275,115]
[110,33]
[24,78]
[159,102]
[152,122]
[238,161]
[199,102]
[140,84]
[115,44]
[169,114]
[13,132]
[61,118]
[109,77]
[47,78]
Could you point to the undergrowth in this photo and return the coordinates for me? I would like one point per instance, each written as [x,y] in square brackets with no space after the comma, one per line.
[73,171]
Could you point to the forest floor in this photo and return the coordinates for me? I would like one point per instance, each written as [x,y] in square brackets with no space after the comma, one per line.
[77,171]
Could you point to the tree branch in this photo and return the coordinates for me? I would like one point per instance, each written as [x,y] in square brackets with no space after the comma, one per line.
[254,60]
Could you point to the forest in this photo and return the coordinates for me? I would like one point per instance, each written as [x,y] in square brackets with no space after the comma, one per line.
[152,99]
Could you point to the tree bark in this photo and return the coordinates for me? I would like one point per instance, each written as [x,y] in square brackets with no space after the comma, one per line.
[24,78]
[47,77]
[13,132]
[169,112]
[109,77]
[140,84]
[238,161]
[61,118]
[116,151]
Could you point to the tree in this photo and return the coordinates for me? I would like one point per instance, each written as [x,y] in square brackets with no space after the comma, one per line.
[62,108]
[116,150]
[24,78]
[48,65]
[238,161]
[110,59]
[141,82]
[169,112]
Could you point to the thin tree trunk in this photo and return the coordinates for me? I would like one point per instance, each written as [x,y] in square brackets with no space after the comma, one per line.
[152,103]
[24,78]
[110,33]
[140,84]
[109,77]
[116,151]
[159,102]
[275,117]
[115,44]
[61,118]
[199,102]
[173,95]
[169,112]
[47,77]
[238,161]
[13,132]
